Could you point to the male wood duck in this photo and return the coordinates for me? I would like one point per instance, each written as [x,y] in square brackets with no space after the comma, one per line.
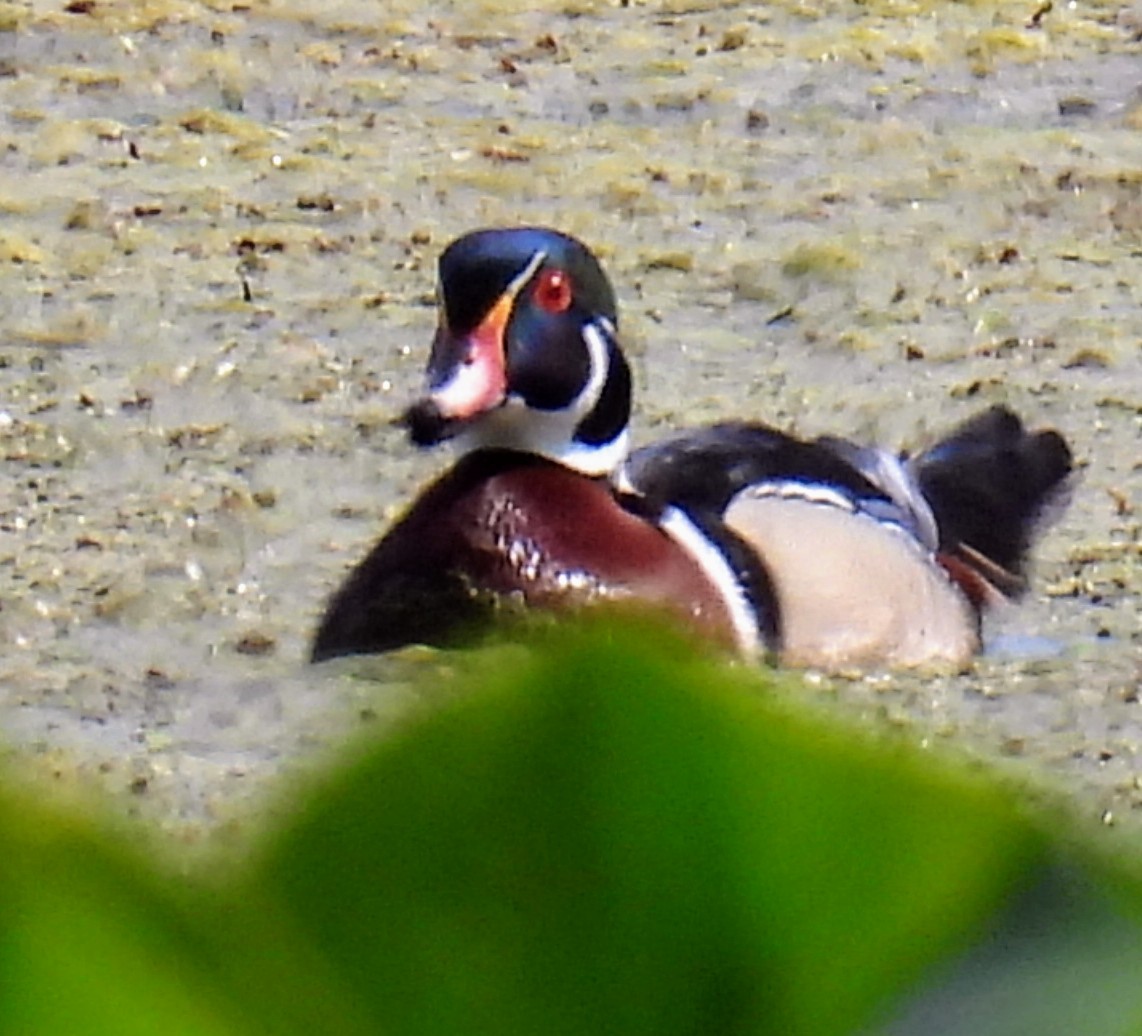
[817,553]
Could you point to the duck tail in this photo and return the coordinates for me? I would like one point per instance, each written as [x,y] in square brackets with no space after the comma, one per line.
[992,486]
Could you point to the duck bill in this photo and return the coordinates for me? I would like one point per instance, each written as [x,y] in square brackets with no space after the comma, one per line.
[467,378]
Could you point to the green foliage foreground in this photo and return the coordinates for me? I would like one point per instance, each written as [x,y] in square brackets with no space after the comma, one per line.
[613,838]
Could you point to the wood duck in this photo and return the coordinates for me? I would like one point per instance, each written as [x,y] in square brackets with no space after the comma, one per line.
[818,553]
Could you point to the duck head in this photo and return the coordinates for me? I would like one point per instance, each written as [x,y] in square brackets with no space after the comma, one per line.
[525,355]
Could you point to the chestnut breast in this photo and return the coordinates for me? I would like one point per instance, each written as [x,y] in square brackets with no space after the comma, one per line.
[504,527]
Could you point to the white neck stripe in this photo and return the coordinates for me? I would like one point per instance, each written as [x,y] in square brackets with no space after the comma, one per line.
[600,359]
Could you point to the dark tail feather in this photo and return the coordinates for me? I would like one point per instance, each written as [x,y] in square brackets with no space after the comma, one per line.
[990,485]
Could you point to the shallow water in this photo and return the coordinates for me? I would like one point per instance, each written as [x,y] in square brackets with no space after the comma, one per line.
[217,248]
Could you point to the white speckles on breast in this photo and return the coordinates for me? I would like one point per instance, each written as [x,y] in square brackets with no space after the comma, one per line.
[577,581]
[535,569]
[533,562]
[524,558]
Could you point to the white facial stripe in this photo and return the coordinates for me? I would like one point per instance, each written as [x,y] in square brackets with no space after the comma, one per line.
[680,527]
[525,275]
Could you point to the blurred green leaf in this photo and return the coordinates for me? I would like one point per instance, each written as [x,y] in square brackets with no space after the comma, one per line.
[617,838]
[89,943]
[1061,959]
[96,941]
[608,835]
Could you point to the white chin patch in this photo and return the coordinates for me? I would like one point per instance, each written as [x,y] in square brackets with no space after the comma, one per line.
[515,426]
[551,433]
[473,388]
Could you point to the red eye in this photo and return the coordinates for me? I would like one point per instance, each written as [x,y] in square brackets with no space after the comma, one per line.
[553,291]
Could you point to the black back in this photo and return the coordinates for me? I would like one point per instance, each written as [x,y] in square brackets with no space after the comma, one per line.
[989,484]
[702,470]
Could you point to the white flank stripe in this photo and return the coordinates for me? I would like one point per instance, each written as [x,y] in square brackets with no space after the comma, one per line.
[681,528]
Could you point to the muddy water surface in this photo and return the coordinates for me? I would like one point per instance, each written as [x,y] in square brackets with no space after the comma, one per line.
[218,228]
